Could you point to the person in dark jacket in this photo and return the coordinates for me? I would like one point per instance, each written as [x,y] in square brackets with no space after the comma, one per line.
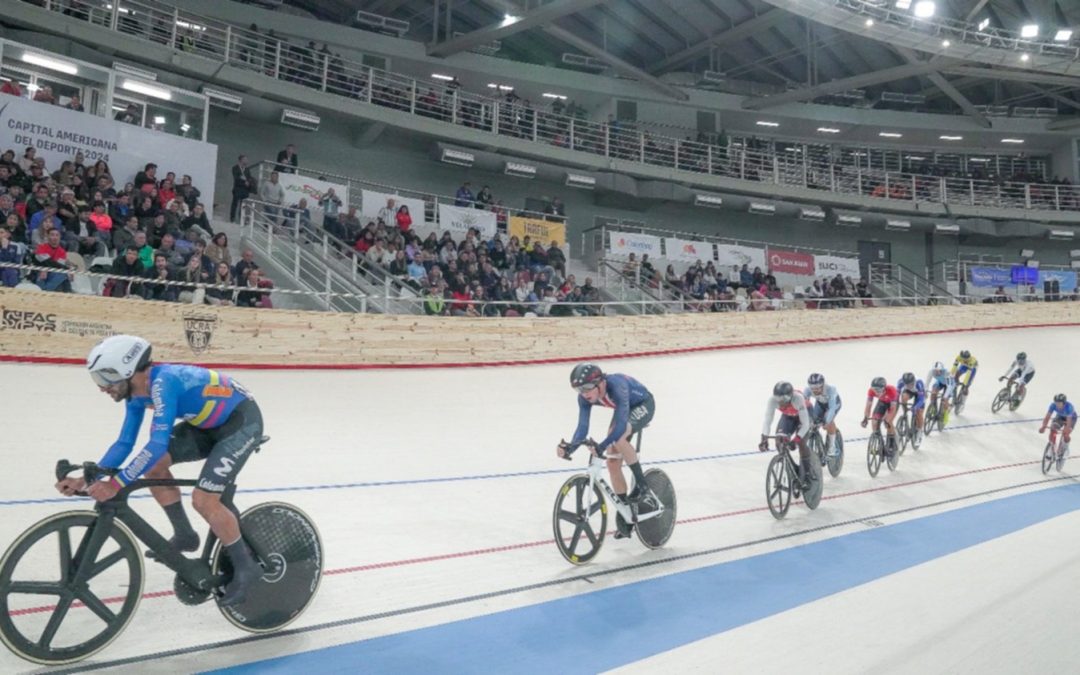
[126,264]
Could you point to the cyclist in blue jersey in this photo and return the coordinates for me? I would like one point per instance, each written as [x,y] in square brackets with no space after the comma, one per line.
[910,387]
[826,404]
[634,408]
[940,382]
[221,423]
[1064,414]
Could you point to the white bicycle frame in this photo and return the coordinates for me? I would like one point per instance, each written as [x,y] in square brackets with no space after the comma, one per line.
[595,470]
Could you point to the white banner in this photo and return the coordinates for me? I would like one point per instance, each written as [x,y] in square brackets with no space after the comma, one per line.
[830,266]
[299,187]
[728,255]
[460,219]
[58,134]
[622,244]
[684,250]
[374,202]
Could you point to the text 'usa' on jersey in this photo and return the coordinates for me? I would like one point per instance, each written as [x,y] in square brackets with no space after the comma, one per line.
[622,393]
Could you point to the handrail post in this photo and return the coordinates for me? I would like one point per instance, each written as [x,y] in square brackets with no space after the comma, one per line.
[708,159]
[114,16]
[1057,198]
[607,139]
[453,107]
[535,126]
[277,61]
[944,191]
[1027,195]
[496,110]
[571,137]
[971,190]
[172,32]
[641,146]
[326,75]
[412,99]
[228,40]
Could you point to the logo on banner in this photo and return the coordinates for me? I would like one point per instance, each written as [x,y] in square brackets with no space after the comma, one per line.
[689,249]
[198,329]
[634,245]
[465,220]
[794,263]
[14,319]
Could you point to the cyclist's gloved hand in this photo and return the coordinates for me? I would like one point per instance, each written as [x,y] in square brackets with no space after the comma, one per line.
[763,446]
[562,449]
[1001,379]
[864,421]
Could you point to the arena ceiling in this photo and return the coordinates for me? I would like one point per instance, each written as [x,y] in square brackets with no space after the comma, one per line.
[749,41]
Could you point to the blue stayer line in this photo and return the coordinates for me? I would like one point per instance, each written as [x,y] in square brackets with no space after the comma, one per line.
[488,476]
[575,634]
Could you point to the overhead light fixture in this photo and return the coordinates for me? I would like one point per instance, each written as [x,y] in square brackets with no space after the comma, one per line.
[794,149]
[848,220]
[520,170]
[811,213]
[903,4]
[133,71]
[890,134]
[946,228]
[509,19]
[946,44]
[978,159]
[550,95]
[1029,30]
[1032,263]
[1015,141]
[52,64]
[1075,253]
[222,99]
[440,76]
[1062,234]
[500,87]
[924,9]
[915,158]
[1027,253]
[763,123]
[1063,35]
[984,23]
[184,128]
[147,90]
[159,119]
[869,23]
[898,225]
[762,209]
[1025,57]
[192,26]
[951,138]
[458,157]
[576,180]
[300,119]
[712,201]
[828,130]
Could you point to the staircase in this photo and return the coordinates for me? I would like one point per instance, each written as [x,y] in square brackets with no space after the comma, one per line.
[894,284]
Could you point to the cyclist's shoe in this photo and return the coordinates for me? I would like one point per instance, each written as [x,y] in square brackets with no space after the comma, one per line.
[806,476]
[890,446]
[245,573]
[643,500]
[945,418]
[183,543]
[834,450]
[623,529]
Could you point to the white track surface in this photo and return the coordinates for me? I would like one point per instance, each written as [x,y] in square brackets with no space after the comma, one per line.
[1000,606]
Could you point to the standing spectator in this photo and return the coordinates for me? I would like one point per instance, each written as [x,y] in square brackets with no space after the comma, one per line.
[287,159]
[556,209]
[351,226]
[464,195]
[273,194]
[556,258]
[11,86]
[188,193]
[388,213]
[129,115]
[331,207]
[485,199]
[243,185]
[146,180]
[127,264]
[404,218]
[9,253]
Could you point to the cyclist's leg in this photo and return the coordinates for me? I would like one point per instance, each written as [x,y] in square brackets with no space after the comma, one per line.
[640,416]
[888,415]
[920,408]
[232,444]
[185,445]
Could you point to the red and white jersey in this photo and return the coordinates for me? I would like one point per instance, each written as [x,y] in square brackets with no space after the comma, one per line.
[796,407]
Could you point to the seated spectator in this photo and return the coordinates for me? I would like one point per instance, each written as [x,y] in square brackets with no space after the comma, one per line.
[166,193]
[9,253]
[246,262]
[51,253]
[160,272]
[630,267]
[90,243]
[189,194]
[193,275]
[168,249]
[746,278]
[146,180]
[45,95]
[12,87]
[174,216]
[146,210]
[47,214]
[129,115]
[591,294]
[434,301]
[218,293]
[198,219]
[218,249]
[127,264]
[75,104]
[257,290]
[525,296]
[863,290]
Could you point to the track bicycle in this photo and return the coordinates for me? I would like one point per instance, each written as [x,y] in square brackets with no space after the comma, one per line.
[89,566]
[782,481]
[1008,396]
[1056,450]
[817,445]
[579,517]
[906,429]
[876,451]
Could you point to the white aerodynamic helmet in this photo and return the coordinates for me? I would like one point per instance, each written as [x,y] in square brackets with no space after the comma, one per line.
[116,359]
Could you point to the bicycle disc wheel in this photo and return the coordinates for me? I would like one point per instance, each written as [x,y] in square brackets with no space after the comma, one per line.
[291,542]
[812,496]
[816,447]
[655,532]
[778,487]
[1048,458]
[916,436]
[1000,400]
[579,534]
[62,601]
[902,435]
[891,460]
[836,464]
[873,455]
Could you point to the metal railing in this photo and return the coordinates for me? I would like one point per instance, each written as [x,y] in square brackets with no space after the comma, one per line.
[319,70]
[897,281]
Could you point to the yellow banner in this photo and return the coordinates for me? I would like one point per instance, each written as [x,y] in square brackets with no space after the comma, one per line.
[544,231]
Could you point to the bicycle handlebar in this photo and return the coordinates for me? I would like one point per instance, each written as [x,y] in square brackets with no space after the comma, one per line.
[571,447]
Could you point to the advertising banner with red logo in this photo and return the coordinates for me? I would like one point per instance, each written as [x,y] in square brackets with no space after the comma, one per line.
[684,250]
[790,262]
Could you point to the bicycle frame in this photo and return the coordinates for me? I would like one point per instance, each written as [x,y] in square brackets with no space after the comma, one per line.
[595,471]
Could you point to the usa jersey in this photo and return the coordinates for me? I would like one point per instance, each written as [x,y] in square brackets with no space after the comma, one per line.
[1063,413]
[202,398]
[623,393]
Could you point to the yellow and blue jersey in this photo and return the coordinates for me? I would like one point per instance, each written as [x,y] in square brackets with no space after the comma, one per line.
[201,397]
[962,366]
